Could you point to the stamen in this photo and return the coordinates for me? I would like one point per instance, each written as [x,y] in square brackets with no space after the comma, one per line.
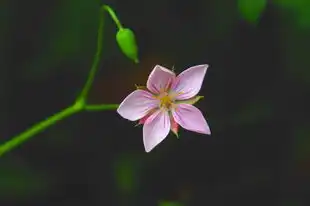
[140,87]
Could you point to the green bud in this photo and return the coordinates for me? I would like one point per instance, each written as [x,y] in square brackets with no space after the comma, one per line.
[127,42]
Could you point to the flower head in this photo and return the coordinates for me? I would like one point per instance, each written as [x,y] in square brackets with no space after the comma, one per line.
[165,103]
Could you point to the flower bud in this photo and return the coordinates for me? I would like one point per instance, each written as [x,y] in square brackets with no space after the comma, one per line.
[127,42]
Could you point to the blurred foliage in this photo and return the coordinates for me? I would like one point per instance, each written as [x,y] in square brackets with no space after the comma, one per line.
[299,10]
[295,52]
[294,36]
[169,203]
[251,10]
[302,142]
[19,181]
[65,37]
[292,202]
[126,170]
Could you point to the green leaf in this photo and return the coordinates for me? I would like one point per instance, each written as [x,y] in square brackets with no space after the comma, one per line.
[251,10]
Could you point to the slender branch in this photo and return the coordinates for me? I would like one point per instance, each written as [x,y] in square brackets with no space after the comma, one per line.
[95,64]
[113,16]
[101,107]
[19,139]
[80,103]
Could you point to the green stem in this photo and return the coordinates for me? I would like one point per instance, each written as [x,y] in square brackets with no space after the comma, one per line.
[80,103]
[101,107]
[113,16]
[39,127]
[95,64]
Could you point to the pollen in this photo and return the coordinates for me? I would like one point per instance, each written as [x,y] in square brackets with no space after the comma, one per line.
[165,100]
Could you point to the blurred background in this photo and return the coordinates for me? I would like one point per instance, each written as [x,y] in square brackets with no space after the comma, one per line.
[255,102]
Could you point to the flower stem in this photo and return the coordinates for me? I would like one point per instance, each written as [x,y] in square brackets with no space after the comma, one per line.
[80,103]
[101,107]
[95,64]
[113,16]
[39,127]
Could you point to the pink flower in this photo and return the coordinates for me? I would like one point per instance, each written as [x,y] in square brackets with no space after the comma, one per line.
[166,102]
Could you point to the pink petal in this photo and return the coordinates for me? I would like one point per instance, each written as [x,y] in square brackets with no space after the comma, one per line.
[190,118]
[189,82]
[155,129]
[137,104]
[143,119]
[159,79]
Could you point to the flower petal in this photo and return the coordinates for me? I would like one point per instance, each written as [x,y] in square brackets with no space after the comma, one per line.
[137,104]
[159,79]
[188,83]
[143,119]
[155,129]
[190,118]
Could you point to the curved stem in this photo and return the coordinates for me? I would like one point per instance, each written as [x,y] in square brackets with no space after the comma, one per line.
[101,107]
[113,16]
[95,64]
[19,139]
[80,103]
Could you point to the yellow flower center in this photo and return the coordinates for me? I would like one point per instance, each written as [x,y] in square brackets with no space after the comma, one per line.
[165,101]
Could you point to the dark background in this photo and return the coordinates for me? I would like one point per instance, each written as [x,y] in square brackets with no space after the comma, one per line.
[255,102]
